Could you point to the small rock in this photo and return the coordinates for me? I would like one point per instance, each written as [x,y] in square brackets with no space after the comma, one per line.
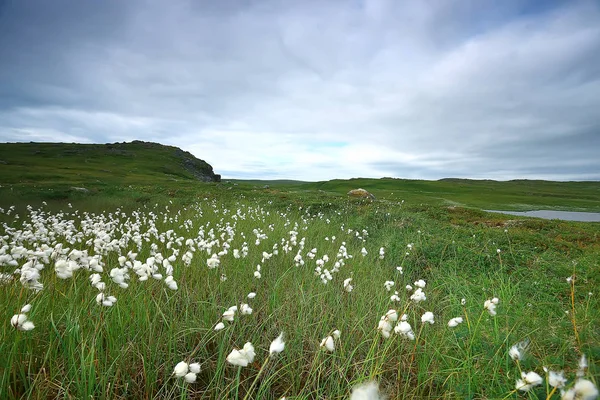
[361,193]
[80,189]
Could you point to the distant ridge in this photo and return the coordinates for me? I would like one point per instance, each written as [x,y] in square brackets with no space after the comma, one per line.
[72,163]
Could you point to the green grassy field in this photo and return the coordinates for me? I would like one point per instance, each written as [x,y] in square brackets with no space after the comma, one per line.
[486,194]
[82,348]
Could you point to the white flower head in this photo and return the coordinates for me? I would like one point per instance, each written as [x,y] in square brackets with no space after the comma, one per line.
[518,350]
[236,357]
[427,317]
[229,315]
[245,309]
[219,326]
[277,345]
[366,391]
[190,377]
[528,380]
[20,322]
[170,282]
[403,328]
[248,350]
[391,315]
[195,367]
[556,379]
[328,343]
[347,286]
[418,296]
[514,353]
[181,369]
[490,306]
[582,390]
[420,283]
[242,357]
[454,322]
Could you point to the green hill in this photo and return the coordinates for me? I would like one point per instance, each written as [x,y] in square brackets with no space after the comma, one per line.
[117,163]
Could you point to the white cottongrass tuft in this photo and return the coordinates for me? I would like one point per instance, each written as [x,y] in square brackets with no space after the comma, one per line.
[181,369]
[385,323]
[245,309]
[391,315]
[582,390]
[427,317]
[556,379]
[528,380]
[385,327]
[187,372]
[213,261]
[490,306]
[243,357]
[404,329]
[347,286]
[20,322]
[328,343]
[63,269]
[195,367]
[219,326]
[251,295]
[170,282]
[418,296]
[106,301]
[517,351]
[277,345]
[366,391]
[336,334]
[454,322]
[229,315]
[190,377]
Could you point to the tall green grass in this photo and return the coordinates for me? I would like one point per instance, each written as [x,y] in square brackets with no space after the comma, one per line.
[82,350]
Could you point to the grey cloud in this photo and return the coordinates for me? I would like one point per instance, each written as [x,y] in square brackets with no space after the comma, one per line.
[457,90]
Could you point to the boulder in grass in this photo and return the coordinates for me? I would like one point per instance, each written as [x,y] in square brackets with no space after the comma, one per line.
[361,193]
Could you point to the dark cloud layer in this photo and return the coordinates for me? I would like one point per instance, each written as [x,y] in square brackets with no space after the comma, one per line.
[314,89]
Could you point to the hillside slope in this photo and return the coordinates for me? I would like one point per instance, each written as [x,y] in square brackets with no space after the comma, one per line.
[117,163]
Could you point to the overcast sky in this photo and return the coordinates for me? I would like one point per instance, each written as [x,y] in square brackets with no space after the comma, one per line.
[314,89]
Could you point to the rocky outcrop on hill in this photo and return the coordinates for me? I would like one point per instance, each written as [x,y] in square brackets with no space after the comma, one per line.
[199,168]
